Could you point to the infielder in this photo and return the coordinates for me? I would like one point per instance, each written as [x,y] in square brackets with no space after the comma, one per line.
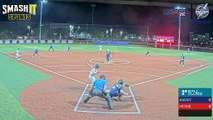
[36,53]
[108,56]
[98,89]
[51,47]
[182,57]
[18,54]
[100,49]
[118,89]
[147,53]
[92,73]
[69,48]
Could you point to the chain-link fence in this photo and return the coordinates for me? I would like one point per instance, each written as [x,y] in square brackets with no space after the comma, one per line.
[30,30]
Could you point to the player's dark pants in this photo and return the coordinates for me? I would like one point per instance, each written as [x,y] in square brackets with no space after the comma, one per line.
[36,53]
[181,62]
[51,49]
[108,58]
[115,94]
[100,93]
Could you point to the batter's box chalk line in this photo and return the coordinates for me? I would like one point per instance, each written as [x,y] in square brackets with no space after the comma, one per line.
[113,61]
[76,109]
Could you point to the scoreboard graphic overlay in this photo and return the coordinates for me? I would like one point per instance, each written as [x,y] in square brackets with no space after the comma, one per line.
[195,102]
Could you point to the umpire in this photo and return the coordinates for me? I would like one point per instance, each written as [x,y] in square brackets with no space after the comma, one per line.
[98,89]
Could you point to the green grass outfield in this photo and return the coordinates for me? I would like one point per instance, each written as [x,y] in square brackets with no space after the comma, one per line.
[14,76]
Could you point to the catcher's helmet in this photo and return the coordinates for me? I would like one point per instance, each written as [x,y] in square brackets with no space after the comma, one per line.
[97,66]
[102,77]
[121,81]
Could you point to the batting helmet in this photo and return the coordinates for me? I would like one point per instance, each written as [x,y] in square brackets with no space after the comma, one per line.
[121,81]
[97,66]
[102,77]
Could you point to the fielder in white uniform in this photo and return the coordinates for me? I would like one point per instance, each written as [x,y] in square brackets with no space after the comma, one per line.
[18,54]
[100,49]
[92,73]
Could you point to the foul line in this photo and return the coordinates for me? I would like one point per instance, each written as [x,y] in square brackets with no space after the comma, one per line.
[156,79]
[89,65]
[107,113]
[79,100]
[135,102]
[197,70]
[80,82]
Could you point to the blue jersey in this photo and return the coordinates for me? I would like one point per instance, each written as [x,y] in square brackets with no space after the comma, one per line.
[51,46]
[108,55]
[116,90]
[99,84]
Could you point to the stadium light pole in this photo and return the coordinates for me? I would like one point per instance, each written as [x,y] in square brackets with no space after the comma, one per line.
[93,9]
[40,23]
[179,23]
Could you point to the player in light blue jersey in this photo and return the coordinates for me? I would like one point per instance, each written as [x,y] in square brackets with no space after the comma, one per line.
[99,89]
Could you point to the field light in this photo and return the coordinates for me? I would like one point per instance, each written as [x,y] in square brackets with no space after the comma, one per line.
[180,8]
[40,21]
[44,1]
[179,23]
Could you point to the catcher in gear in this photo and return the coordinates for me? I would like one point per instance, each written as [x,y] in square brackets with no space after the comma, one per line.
[118,89]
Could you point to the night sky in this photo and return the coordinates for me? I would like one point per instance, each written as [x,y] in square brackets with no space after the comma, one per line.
[111,14]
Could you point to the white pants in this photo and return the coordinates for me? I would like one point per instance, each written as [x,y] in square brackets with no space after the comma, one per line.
[92,78]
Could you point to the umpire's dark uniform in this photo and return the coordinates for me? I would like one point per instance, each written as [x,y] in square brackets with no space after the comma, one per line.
[98,90]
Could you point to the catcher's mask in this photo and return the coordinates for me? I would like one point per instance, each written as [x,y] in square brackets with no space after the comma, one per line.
[121,81]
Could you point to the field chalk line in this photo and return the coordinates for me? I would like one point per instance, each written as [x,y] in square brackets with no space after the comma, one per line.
[197,70]
[80,82]
[105,112]
[82,95]
[156,79]
[89,65]
[135,102]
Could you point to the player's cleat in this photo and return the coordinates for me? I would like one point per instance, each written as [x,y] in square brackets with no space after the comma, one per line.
[110,108]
